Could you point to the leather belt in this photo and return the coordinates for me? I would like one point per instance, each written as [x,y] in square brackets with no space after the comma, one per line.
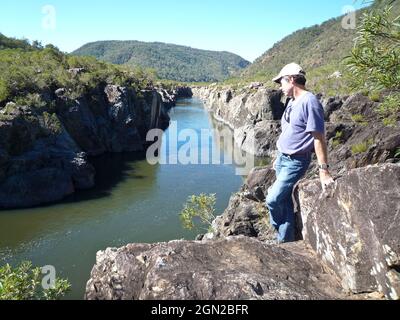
[303,154]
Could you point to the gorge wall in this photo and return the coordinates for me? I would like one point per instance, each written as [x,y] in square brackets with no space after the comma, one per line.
[44,155]
[349,239]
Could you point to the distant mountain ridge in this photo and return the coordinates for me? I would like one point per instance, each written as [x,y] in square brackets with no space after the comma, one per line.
[172,62]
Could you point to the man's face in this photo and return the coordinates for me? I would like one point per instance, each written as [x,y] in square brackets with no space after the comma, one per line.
[287,86]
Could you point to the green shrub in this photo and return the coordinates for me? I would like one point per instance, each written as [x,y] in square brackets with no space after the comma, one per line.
[337,140]
[52,122]
[31,100]
[390,109]
[390,122]
[362,147]
[374,96]
[335,143]
[375,58]
[359,119]
[24,74]
[200,207]
[339,135]
[24,283]
[4,91]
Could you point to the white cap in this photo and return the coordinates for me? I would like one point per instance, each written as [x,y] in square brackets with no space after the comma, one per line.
[292,69]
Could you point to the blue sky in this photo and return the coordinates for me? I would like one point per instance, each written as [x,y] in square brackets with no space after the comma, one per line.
[245,27]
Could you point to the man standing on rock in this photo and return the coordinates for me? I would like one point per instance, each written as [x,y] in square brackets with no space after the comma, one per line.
[303,132]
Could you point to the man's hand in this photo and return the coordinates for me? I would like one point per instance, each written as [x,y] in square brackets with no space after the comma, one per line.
[326,178]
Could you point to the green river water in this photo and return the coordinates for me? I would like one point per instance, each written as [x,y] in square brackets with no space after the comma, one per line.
[133,201]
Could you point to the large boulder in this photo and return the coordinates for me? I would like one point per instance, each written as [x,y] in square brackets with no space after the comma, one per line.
[356,104]
[354,227]
[246,214]
[243,217]
[232,268]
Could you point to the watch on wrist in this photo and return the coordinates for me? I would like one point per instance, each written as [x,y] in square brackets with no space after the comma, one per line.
[323,166]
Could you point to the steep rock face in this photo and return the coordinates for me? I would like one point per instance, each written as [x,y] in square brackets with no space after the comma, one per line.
[43,155]
[240,108]
[254,115]
[169,96]
[246,213]
[355,227]
[113,120]
[354,135]
[232,268]
[259,139]
[243,216]
[40,162]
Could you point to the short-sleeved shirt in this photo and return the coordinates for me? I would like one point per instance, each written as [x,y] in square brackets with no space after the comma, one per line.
[302,117]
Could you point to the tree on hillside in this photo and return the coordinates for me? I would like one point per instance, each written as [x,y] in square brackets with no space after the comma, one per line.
[375,57]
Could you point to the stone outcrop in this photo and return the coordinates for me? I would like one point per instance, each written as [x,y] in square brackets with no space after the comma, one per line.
[232,268]
[350,233]
[253,114]
[40,162]
[259,139]
[351,123]
[246,213]
[43,153]
[243,216]
[113,120]
[355,227]
[170,96]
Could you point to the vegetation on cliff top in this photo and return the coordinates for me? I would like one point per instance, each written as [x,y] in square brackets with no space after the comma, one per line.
[172,62]
[27,71]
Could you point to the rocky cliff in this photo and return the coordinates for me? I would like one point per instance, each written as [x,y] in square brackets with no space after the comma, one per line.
[355,136]
[253,114]
[348,236]
[43,153]
[232,268]
[350,248]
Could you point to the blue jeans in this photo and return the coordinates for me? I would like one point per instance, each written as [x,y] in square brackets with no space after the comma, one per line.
[289,170]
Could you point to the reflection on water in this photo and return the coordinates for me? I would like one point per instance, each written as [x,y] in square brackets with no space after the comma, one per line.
[133,201]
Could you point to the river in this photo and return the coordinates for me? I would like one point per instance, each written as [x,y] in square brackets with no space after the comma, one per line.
[133,201]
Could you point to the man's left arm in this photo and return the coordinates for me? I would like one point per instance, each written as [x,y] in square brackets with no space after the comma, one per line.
[321,151]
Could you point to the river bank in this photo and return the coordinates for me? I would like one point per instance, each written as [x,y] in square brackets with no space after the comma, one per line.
[132,201]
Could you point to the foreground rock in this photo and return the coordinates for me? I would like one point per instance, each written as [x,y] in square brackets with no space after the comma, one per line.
[353,231]
[355,227]
[233,268]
